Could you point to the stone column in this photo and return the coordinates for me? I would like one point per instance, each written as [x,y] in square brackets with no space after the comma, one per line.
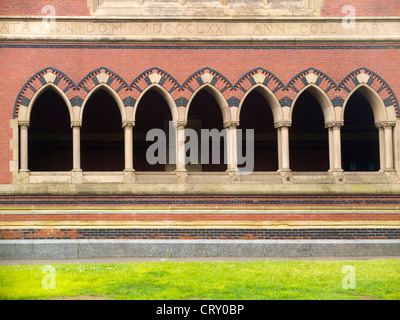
[24,126]
[386,150]
[331,143]
[76,174]
[279,148]
[129,172]
[76,142]
[23,176]
[388,142]
[386,145]
[231,152]
[382,160]
[335,150]
[181,172]
[283,150]
[337,147]
[389,145]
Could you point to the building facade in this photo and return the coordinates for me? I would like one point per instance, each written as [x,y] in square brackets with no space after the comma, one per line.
[303,92]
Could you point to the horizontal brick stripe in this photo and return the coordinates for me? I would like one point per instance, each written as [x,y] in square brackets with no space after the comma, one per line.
[197,47]
[165,200]
[236,224]
[311,233]
[133,216]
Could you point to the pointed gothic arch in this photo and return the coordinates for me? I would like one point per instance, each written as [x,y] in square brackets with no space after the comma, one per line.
[113,94]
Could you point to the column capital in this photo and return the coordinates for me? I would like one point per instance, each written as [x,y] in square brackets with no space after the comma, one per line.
[23,123]
[284,123]
[231,124]
[385,124]
[334,124]
[129,124]
[76,123]
[180,124]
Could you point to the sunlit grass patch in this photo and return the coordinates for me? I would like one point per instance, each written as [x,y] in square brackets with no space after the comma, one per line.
[374,279]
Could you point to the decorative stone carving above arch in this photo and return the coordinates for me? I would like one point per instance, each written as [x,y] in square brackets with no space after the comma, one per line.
[47,78]
[322,98]
[161,81]
[114,94]
[230,95]
[378,93]
[265,82]
[218,96]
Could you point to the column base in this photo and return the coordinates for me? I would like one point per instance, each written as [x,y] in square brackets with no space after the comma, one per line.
[76,176]
[286,175]
[181,175]
[23,176]
[129,176]
[338,175]
[234,175]
[391,175]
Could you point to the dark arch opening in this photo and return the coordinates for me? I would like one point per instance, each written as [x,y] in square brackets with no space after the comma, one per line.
[102,136]
[153,112]
[360,137]
[309,143]
[256,114]
[205,113]
[50,135]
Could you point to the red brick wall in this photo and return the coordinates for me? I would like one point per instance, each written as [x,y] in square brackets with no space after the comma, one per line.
[22,63]
[375,8]
[34,7]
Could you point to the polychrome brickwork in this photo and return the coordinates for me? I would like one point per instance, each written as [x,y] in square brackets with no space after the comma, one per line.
[200,217]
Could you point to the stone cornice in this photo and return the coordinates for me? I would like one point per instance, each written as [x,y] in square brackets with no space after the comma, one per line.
[199,29]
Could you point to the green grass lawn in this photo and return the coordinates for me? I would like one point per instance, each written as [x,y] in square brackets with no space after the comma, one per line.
[374,279]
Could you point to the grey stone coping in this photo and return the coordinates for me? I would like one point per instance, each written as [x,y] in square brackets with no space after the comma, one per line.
[73,249]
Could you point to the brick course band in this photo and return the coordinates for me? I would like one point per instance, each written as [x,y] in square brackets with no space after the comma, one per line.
[189,200]
[191,216]
[311,233]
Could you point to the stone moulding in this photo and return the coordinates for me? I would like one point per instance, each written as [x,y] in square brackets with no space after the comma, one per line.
[189,29]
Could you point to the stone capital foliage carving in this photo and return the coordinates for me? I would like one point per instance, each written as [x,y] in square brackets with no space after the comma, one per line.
[231,124]
[179,125]
[128,124]
[76,123]
[385,124]
[24,124]
[281,124]
[334,124]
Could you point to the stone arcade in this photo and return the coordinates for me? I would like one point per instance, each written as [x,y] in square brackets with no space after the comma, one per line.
[78,99]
